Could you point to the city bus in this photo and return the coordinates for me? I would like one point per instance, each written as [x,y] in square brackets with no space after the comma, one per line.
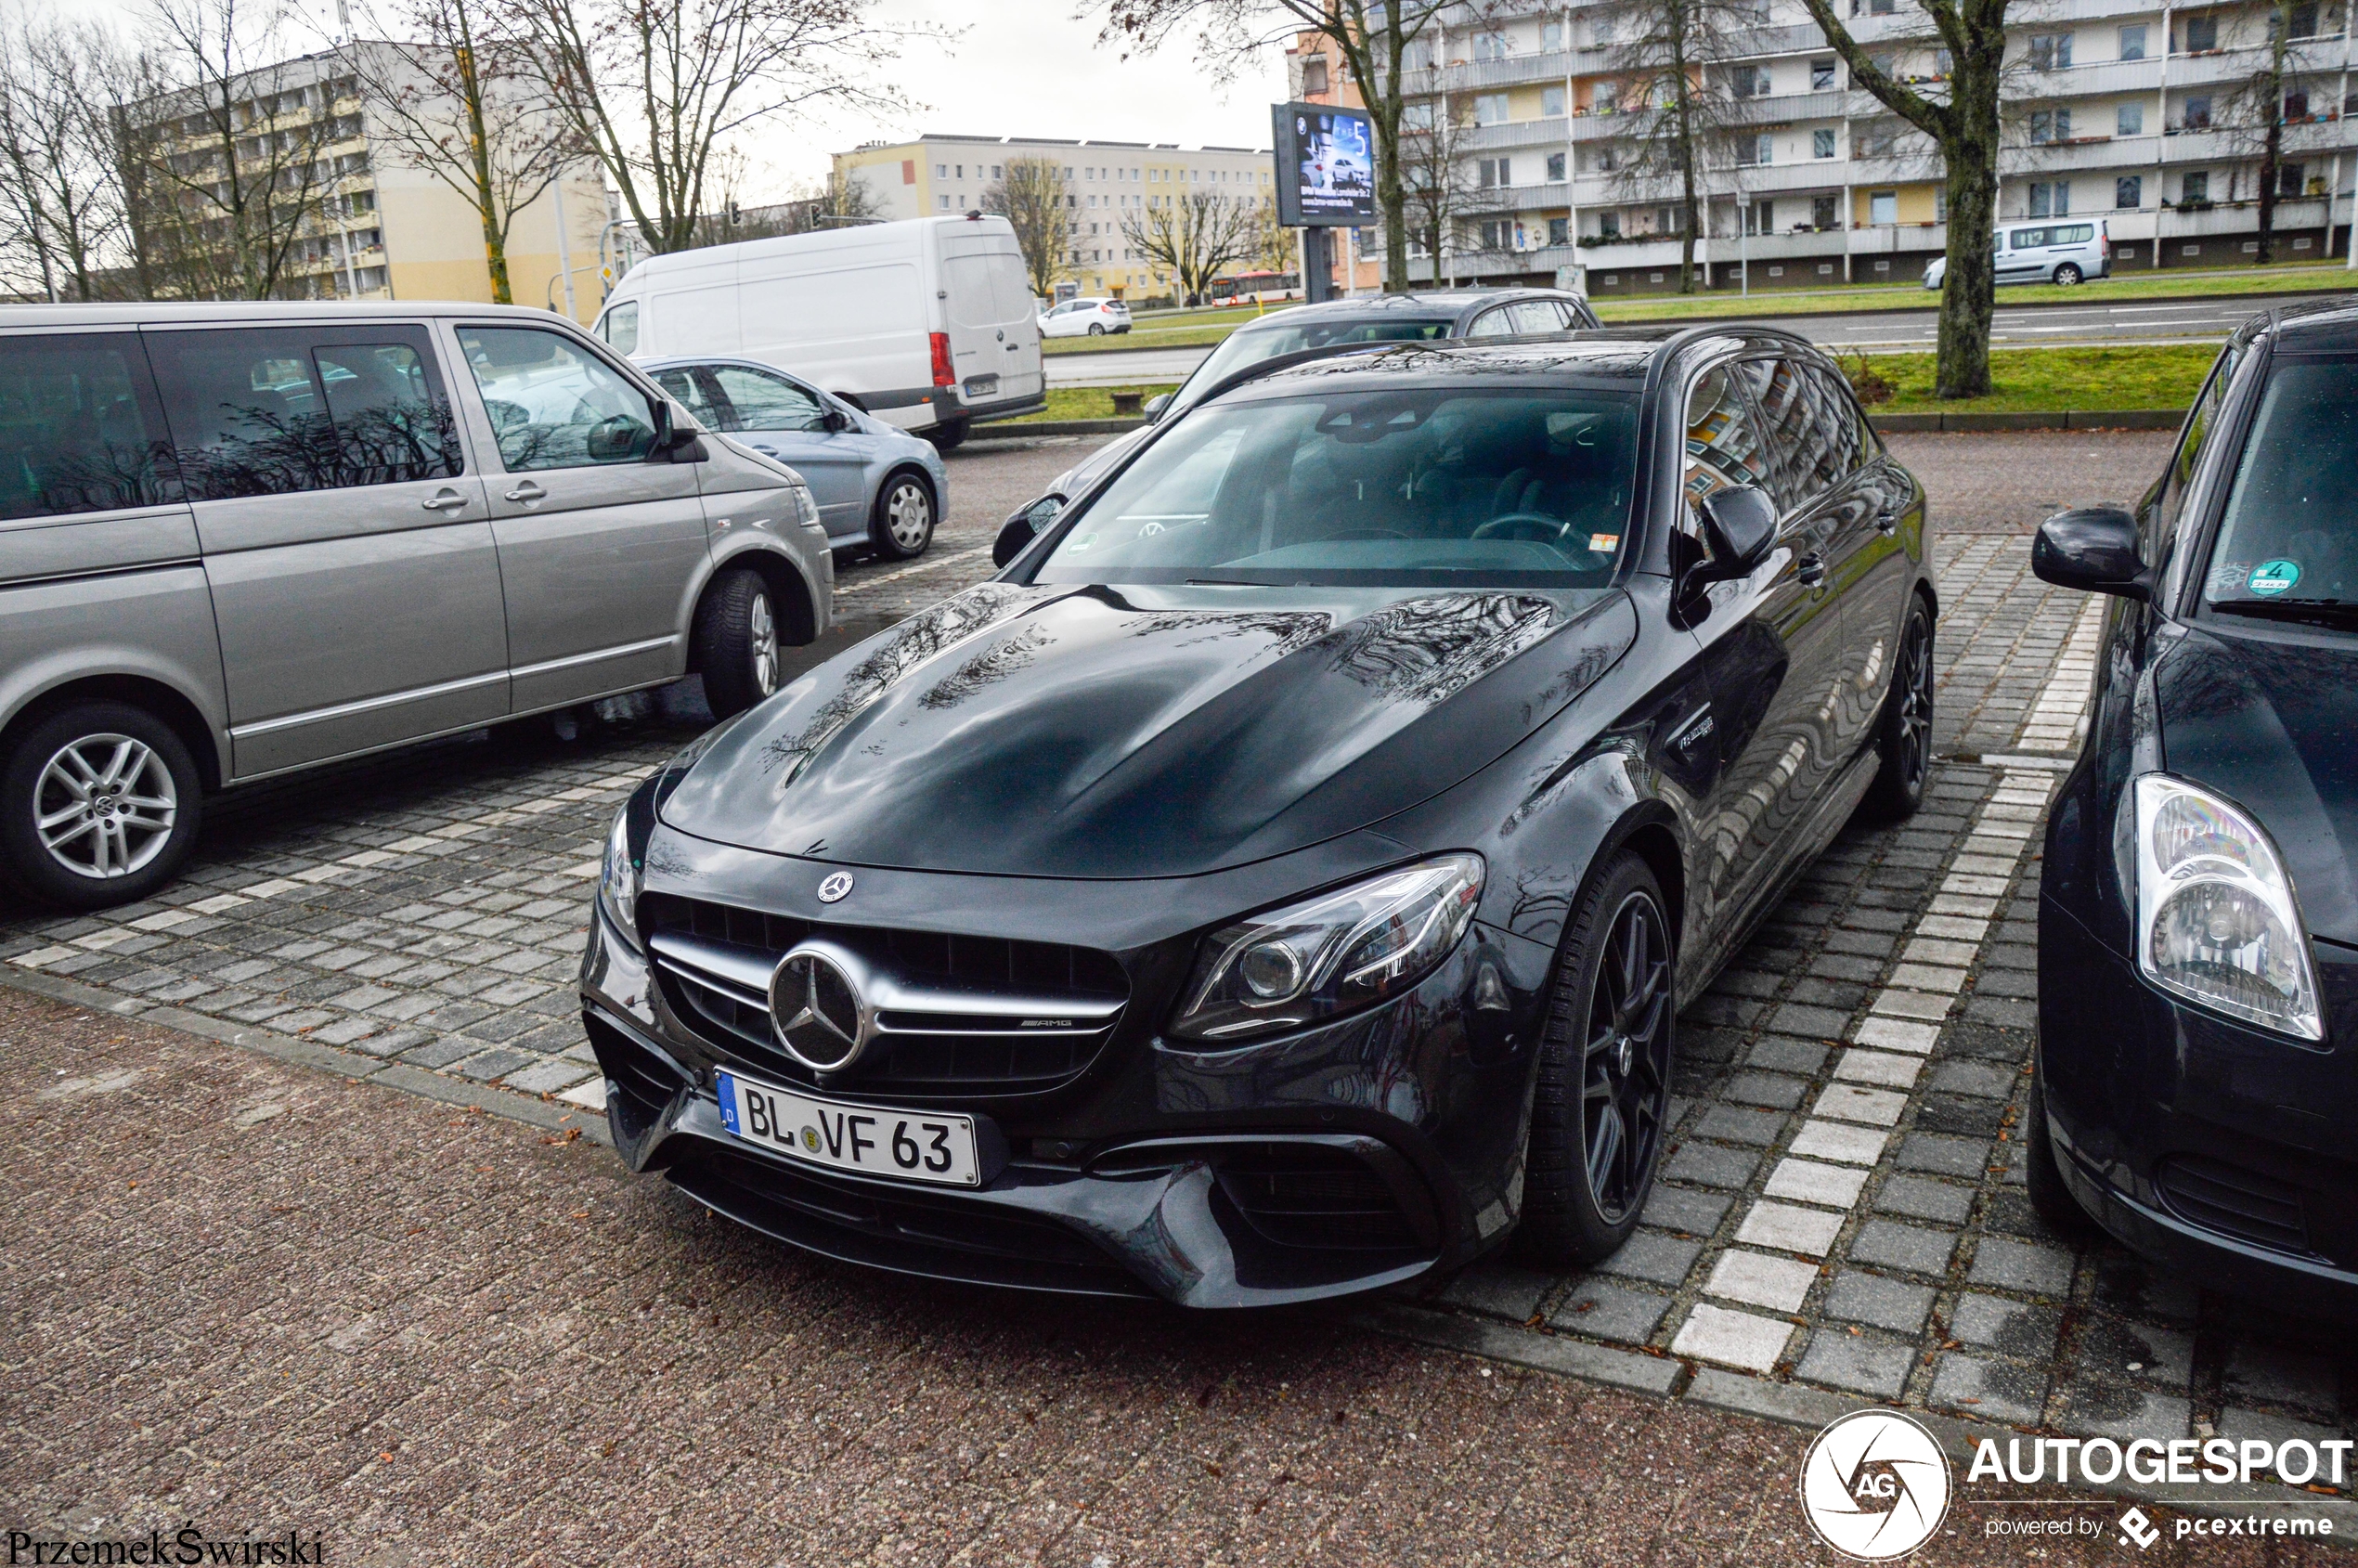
[1254,288]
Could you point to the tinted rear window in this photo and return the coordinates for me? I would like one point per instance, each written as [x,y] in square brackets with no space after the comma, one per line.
[78,426]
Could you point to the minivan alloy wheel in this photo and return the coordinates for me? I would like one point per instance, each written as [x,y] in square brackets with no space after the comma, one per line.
[105,806]
[761,631]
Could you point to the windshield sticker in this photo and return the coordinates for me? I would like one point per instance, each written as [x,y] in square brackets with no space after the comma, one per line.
[2272,578]
[1604,544]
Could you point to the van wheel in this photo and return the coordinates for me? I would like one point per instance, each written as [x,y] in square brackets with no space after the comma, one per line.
[98,806]
[2068,275]
[945,437]
[1903,733]
[902,525]
[1601,1110]
[735,642]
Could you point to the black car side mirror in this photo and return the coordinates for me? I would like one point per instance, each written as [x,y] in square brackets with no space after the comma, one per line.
[2095,550]
[1155,406]
[1024,528]
[1741,526]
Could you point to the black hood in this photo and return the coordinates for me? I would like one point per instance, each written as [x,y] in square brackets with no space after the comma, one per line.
[1143,732]
[2274,727]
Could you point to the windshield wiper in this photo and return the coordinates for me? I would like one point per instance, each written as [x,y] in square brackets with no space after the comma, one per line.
[2339,613]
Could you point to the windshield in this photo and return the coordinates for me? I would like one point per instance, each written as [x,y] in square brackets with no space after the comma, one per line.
[1251,345]
[2288,548]
[1410,487]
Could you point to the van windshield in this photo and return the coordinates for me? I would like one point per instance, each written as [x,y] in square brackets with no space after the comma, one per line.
[1395,487]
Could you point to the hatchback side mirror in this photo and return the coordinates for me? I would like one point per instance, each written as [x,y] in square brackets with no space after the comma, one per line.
[1023,527]
[1741,526]
[2094,549]
[1155,406]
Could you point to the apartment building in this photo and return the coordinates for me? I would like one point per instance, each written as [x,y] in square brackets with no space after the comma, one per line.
[1104,180]
[2144,117]
[384,227]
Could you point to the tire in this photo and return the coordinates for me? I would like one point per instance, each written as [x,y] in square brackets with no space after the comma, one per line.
[2067,275]
[140,799]
[2049,1198]
[1600,1111]
[947,436]
[735,642]
[1903,732]
[1097,329]
[901,523]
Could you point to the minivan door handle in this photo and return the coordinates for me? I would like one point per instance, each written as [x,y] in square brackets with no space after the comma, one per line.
[445,499]
[527,493]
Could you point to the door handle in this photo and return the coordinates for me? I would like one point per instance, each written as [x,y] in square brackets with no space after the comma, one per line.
[445,499]
[527,493]
[1810,570]
[1889,521]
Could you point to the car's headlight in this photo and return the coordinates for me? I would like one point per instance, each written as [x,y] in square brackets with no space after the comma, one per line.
[619,878]
[2217,921]
[1332,954]
[806,510]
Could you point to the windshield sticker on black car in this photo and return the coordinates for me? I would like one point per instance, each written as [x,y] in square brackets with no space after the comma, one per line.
[2272,578]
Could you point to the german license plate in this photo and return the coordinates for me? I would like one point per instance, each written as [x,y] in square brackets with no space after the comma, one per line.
[981,386]
[870,1140]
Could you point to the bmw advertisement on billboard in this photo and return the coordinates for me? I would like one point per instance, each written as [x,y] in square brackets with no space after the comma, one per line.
[1325,166]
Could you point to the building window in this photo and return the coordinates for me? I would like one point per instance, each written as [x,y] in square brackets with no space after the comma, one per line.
[2296,107]
[2050,125]
[1877,142]
[1491,45]
[1490,108]
[2129,191]
[1940,203]
[1608,226]
[1821,76]
[1755,149]
[1313,74]
[944,201]
[994,170]
[942,170]
[1559,232]
[1496,172]
[1497,233]
[1761,218]
[1551,36]
[2303,20]
[2202,35]
[1555,167]
[2194,189]
[2050,51]
[1883,207]
[2289,181]
[1824,212]
[2133,42]
[2049,199]
[1551,103]
[2129,120]
[1751,81]
[2198,114]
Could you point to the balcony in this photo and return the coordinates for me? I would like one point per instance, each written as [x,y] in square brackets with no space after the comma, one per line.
[1791,109]
[1513,134]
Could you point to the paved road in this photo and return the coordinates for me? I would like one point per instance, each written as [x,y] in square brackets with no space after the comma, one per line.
[2014,326]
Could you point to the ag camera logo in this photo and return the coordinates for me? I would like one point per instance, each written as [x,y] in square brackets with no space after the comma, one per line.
[1875,1485]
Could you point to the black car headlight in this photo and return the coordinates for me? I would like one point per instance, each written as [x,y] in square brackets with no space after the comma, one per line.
[1332,954]
[2217,922]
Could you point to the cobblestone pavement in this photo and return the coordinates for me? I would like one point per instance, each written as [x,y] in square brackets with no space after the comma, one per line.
[1842,1211]
[440,1339]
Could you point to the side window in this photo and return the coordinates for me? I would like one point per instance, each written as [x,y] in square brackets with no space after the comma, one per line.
[1847,438]
[762,401]
[2209,403]
[1724,448]
[1793,413]
[554,404]
[1539,316]
[79,426]
[1496,323]
[274,410]
[620,328]
[694,390]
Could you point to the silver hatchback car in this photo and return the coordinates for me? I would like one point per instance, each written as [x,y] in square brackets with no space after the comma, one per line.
[239,540]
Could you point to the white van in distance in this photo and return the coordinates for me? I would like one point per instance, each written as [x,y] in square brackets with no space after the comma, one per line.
[925,324]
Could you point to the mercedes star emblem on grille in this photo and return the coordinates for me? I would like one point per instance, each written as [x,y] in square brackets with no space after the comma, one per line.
[817,1012]
[837,884]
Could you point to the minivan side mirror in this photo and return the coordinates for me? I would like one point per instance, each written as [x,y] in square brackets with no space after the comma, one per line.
[2095,550]
[1023,527]
[673,442]
[1739,524]
[1155,406]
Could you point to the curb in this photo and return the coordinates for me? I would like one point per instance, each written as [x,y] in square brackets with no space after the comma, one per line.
[2073,419]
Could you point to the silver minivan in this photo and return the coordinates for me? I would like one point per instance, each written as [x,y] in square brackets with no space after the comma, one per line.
[2058,252]
[238,540]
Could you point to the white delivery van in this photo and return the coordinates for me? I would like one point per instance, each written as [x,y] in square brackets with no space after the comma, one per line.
[926,324]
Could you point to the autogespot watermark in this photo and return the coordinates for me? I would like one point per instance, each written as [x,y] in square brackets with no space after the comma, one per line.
[1875,1485]
[188,1545]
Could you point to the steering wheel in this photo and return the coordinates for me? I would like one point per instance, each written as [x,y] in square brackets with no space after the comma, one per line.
[1542,529]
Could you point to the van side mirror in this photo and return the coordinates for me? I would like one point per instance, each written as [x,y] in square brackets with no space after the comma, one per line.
[1155,406]
[1740,524]
[673,442]
[1022,528]
[2095,550]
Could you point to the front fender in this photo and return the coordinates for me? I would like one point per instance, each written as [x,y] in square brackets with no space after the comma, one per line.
[768,554]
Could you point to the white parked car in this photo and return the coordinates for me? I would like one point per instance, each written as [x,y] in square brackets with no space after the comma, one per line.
[2061,252]
[1085,319]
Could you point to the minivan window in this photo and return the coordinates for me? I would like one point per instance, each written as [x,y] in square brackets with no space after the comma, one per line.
[553,403]
[620,328]
[2028,238]
[2288,546]
[79,429]
[276,410]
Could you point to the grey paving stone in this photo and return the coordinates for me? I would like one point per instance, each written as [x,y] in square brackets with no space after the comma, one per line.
[1499,1289]
[1609,1310]
[2136,1353]
[1848,1359]
[1814,1023]
[2020,1329]
[1652,1255]
[2258,1373]
[1702,1164]
[2135,1289]
[1776,1052]
[2125,1414]
[1764,1089]
[1859,1297]
[2020,1265]
[442,1051]
[1982,1080]
[1995,1391]
[1943,1155]
[1737,1124]
[1891,1245]
[1923,1198]
[1673,1208]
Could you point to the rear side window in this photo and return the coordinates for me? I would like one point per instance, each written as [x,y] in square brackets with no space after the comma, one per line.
[2028,238]
[275,410]
[79,426]
[620,328]
[553,403]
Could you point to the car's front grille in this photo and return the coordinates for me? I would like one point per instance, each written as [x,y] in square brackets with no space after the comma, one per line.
[998,1016]
[2235,1202]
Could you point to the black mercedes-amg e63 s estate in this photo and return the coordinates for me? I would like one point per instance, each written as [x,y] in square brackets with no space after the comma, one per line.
[1282,877]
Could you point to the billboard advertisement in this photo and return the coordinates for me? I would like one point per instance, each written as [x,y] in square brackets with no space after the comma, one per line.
[1325,166]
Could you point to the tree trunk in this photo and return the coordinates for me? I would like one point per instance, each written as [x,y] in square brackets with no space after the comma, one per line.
[2272,142]
[1969,287]
[1686,116]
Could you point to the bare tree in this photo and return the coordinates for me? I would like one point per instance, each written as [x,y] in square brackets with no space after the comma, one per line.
[1961,117]
[1434,181]
[2257,108]
[1678,112]
[1030,194]
[657,88]
[1197,235]
[455,98]
[62,208]
[1375,39]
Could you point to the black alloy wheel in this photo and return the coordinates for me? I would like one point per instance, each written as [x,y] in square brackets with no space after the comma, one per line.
[1602,1107]
[1903,736]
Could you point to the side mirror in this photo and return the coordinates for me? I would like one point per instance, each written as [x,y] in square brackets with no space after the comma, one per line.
[1155,406]
[2094,549]
[1741,526]
[834,420]
[673,442]
[1023,527]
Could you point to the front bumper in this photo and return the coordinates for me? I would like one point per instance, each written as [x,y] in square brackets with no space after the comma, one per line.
[2208,1146]
[1195,1177]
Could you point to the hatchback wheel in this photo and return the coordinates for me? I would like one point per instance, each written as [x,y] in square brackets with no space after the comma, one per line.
[1097,329]
[1903,735]
[2068,275]
[901,523]
[735,642]
[1600,1116]
[101,804]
